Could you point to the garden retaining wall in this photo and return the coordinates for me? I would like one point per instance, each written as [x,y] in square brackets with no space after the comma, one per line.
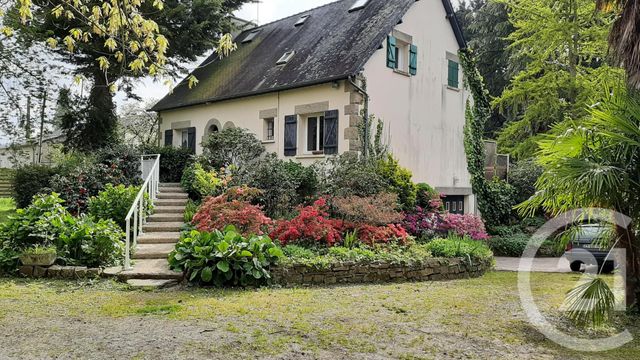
[60,272]
[379,272]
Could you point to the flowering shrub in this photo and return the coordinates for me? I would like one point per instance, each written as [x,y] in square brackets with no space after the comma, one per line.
[423,223]
[370,235]
[464,225]
[373,210]
[232,208]
[311,224]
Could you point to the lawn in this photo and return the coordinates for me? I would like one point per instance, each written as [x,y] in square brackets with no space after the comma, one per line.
[476,318]
[7,208]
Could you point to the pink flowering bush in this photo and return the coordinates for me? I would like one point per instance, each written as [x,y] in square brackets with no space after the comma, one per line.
[422,223]
[464,225]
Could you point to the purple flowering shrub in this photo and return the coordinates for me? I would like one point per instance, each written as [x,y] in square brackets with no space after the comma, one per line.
[432,221]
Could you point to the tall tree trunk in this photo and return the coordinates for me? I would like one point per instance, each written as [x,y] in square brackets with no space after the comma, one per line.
[101,127]
[628,241]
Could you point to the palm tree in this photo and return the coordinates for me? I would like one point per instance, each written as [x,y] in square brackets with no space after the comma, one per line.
[624,38]
[596,163]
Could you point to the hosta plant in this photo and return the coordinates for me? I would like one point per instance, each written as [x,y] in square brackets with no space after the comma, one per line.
[225,258]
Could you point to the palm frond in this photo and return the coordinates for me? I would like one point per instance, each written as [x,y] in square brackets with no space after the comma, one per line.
[590,303]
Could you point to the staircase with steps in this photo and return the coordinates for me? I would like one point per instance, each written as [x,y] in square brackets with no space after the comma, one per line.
[160,234]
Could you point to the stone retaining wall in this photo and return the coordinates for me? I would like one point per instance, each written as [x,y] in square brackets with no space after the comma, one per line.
[379,272]
[60,272]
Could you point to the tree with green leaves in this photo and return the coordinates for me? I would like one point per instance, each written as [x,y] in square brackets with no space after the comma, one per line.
[563,46]
[486,26]
[596,163]
[113,43]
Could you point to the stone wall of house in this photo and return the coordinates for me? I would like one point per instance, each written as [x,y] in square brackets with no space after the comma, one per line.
[379,272]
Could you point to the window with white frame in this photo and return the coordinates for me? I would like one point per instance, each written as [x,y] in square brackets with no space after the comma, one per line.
[314,129]
[269,129]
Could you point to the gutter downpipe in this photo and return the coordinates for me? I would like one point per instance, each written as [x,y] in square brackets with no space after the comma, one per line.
[363,91]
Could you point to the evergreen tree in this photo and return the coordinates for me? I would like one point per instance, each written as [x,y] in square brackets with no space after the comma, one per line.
[563,46]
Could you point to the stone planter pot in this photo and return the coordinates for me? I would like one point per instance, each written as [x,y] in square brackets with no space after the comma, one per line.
[38,259]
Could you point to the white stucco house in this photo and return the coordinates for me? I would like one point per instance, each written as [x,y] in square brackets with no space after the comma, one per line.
[299,84]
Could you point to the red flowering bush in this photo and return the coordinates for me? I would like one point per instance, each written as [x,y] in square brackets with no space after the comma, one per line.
[370,235]
[232,208]
[464,225]
[312,224]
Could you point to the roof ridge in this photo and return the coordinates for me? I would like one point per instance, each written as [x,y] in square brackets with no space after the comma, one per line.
[297,14]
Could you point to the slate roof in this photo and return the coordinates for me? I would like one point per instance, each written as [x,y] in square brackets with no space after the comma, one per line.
[333,44]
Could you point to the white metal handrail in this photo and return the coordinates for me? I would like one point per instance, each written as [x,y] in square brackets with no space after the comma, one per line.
[137,211]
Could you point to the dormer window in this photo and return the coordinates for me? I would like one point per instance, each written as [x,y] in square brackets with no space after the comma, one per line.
[302,20]
[252,35]
[286,57]
[359,4]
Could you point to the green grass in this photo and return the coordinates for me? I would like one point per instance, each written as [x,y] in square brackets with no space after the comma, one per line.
[7,208]
[474,318]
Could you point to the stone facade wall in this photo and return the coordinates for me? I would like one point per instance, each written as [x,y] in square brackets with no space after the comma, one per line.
[379,272]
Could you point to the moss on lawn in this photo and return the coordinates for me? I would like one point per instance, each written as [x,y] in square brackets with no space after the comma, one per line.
[467,318]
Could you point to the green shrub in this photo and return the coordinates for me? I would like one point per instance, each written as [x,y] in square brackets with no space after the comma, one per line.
[284,184]
[200,181]
[31,180]
[399,181]
[523,176]
[80,185]
[79,241]
[424,194]
[459,247]
[225,258]
[173,161]
[123,157]
[190,210]
[347,175]
[232,146]
[38,224]
[511,245]
[325,257]
[8,259]
[91,243]
[502,198]
[114,203]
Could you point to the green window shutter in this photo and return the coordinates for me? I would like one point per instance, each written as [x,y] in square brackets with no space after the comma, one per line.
[392,61]
[290,135]
[454,69]
[413,60]
[331,132]
[168,138]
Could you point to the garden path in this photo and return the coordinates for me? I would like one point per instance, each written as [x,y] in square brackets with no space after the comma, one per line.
[160,234]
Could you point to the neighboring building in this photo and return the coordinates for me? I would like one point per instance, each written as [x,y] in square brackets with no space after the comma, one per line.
[18,154]
[297,84]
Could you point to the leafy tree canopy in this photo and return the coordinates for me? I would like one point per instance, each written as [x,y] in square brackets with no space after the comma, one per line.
[563,45]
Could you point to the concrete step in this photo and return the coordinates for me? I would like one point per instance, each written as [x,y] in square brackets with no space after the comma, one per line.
[159,238]
[170,202]
[153,251]
[165,218]
[172,190]
[162,227]
[162,185]
[163,195]
[157,269]
[169,209]
[148,284]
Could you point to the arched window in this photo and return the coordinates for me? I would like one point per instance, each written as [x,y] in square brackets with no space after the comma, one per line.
[213,129]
